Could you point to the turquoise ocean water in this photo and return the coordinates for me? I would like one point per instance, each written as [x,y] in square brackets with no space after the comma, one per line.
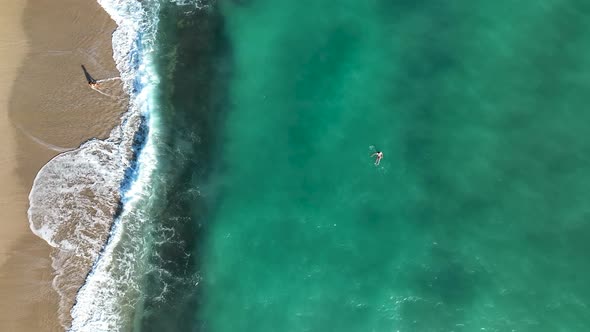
[276,218]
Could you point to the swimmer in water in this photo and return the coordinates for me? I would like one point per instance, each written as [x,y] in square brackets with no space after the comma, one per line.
[379,156]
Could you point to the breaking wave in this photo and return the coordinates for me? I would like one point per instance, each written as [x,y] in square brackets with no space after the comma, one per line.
[79,199]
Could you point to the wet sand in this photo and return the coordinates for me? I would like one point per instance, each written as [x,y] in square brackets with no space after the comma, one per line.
[45,107]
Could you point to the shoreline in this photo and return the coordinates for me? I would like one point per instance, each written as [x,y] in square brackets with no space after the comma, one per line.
[46,108]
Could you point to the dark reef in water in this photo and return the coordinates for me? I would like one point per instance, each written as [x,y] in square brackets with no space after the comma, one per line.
[194,63]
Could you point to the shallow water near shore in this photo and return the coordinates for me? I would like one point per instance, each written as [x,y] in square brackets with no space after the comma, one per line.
[255,204]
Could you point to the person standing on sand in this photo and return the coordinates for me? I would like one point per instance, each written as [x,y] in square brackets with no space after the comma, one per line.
[379,156]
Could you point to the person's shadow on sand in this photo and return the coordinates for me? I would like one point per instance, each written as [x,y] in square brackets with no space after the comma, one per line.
[109,87]
[89,78]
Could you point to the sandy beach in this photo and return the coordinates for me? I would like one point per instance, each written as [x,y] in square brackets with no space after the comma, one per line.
[46,107]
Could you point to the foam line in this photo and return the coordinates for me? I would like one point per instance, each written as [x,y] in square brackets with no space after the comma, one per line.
[109,79]
[40,141]
[104,93]
[76,195]
[90,203]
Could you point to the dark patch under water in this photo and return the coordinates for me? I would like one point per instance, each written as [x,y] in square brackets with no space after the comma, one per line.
[195,61]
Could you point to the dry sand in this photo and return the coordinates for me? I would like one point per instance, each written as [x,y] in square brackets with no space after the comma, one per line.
[45,107]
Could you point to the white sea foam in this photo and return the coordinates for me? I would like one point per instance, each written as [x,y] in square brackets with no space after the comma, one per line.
[192,3]
[72,203]
[76,195]
[111,291]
